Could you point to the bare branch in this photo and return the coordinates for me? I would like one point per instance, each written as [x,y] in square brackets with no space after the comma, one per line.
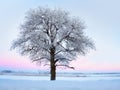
[62,59]
[58,52]
[38,59]
[65,37]
[65,66]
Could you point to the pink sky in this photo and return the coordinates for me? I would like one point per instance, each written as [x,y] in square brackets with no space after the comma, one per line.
[17,62]
[88,65]
[82,64]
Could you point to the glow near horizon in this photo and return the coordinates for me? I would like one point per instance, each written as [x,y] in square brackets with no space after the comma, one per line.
[102,21]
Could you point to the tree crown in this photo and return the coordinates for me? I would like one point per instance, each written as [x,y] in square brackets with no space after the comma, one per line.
[45,29]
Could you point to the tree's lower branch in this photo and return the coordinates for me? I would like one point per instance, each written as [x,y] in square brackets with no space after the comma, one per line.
[40,59]
[65,66]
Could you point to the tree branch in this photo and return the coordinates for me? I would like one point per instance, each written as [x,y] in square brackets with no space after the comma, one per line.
[40,59]
[65,66]
[66,50]
[63,38]
[58,52]
[46,50]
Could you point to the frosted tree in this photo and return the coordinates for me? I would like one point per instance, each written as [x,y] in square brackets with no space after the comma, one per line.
[53,37]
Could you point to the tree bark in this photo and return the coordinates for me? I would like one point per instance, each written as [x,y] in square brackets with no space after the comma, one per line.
[52,64]
[53,73]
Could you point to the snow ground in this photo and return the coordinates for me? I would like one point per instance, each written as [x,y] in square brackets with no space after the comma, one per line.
[62,83]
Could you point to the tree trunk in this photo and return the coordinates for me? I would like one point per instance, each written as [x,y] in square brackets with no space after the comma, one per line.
[52,64]
[53,73]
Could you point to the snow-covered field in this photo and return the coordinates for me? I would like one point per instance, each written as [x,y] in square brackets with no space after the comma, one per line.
[8,82]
